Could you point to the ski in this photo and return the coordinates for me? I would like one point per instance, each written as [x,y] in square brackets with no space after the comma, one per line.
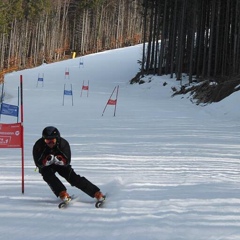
[71,199]
[65,203]
[100,203]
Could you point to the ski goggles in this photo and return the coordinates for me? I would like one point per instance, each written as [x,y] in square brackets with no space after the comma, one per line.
[51,140]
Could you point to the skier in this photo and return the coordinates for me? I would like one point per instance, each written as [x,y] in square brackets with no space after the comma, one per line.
[52,154]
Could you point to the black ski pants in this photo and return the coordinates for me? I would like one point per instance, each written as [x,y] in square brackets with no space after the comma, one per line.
[49,176]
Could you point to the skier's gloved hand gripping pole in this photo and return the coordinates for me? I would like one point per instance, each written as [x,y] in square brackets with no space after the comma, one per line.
[51,159]
[59,160]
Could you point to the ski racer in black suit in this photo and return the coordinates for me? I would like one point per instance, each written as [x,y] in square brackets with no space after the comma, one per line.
[52,154]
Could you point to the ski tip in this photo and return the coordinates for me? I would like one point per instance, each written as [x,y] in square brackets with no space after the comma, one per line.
[99,203]
[62,205]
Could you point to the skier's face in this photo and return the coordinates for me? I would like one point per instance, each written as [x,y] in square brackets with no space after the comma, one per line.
[51,142]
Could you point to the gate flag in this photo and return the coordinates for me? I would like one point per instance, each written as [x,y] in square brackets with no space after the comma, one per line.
[40,79]
[112,101]
[8,109]
[11,135]
[81,63]
[85,88]
[67,92]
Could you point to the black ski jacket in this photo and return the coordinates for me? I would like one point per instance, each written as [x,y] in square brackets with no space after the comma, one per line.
[41,150]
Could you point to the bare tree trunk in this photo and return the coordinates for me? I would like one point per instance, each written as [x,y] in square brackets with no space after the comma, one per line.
[144,36]
[150,40]
[216,63]
[192,40]
[173,39]
[163,39]
[212,30]
[225,40]
[236,37]
[181,42]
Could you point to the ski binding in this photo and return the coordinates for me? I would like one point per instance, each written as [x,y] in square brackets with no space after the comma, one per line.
[64,204]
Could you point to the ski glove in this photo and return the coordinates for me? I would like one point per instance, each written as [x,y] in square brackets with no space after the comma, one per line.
[59,160]
[49,160]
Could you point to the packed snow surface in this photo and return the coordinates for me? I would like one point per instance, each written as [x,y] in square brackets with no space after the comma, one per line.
[170,168]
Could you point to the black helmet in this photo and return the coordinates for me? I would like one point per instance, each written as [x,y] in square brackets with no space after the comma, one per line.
[50,132]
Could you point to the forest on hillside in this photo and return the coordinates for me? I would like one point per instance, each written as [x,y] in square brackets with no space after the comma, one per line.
[33,32]
[200,38]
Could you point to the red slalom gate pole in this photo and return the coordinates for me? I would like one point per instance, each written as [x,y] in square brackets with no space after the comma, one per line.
[108,101]
[85,87]
[112,101]
[22,130]
[116,102]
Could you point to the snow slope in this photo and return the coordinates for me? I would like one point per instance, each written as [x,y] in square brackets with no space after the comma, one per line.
[170,168]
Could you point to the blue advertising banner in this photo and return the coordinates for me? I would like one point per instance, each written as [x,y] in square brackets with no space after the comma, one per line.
[67,92]
[7,109]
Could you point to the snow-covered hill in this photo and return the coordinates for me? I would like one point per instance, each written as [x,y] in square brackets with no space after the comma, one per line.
[170,168]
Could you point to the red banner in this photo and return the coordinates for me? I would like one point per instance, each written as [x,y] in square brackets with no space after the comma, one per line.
[11,135]
[112,102]
[84,87]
